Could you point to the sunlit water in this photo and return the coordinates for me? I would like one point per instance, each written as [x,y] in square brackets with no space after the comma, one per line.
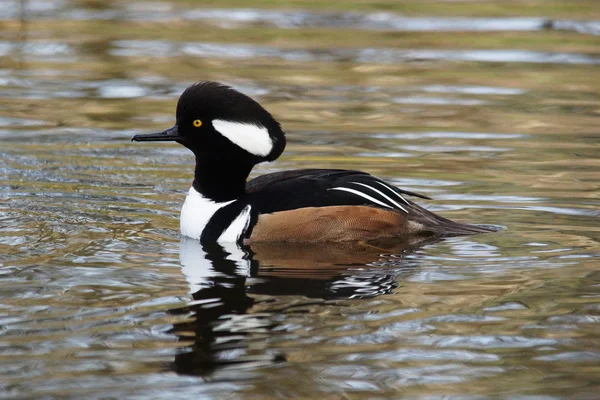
[496,118]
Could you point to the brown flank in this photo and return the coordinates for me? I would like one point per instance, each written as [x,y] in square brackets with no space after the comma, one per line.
[332,224]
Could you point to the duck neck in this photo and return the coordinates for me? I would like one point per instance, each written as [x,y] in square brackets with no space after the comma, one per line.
[221,180]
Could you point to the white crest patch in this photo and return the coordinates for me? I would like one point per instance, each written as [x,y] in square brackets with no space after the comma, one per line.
[197,210]
[253,138]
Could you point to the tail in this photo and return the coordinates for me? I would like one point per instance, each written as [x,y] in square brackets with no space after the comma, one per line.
[443,227]
[452,228]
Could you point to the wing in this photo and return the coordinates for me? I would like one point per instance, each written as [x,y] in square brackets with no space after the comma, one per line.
[313,205]
[288,190]
[261,182]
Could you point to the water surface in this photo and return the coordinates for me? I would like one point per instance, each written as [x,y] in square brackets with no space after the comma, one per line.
[491,111]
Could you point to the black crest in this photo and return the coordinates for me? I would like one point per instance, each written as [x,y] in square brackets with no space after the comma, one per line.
[213,100]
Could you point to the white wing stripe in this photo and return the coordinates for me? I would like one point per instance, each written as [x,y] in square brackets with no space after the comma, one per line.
[361,194]
[393,191]
[383,195]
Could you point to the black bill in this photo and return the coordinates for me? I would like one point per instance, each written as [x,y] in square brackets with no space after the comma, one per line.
[171,134]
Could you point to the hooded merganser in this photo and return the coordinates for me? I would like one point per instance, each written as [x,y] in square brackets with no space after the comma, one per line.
[229,133]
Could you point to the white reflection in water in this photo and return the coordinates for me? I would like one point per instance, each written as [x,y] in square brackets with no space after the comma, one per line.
[199,268]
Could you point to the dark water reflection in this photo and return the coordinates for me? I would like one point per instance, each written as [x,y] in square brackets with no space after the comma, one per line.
[224,282]
[489,108]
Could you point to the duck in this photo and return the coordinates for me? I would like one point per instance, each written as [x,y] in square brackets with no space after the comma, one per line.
[229,133]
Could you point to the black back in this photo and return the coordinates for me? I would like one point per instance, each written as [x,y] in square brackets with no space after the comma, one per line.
[294,189]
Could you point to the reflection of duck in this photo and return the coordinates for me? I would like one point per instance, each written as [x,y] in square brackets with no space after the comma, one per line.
[230,133]
[227,281]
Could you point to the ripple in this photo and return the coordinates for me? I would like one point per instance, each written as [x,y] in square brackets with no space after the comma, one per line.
[368,56]
[39,51]
[499,198]
[438,101]
[450,149]
[447,135]
[587,27]
[574,356]
[362,21]
[403,355]
[14,9]
[387,154]
[510,306]
[485,342]
[294,19]
[565,211]
[7,122]
[478,90]
[121,91]
[92,274]
[231,18]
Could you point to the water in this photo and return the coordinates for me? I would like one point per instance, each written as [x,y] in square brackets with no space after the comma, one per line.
[493,112]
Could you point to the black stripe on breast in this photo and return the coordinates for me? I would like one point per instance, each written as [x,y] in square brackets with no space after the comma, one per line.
[222,219]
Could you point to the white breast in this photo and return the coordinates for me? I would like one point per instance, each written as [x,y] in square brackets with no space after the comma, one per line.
[197,211]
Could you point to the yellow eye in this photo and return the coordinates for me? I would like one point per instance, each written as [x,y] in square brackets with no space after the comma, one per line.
[197,123]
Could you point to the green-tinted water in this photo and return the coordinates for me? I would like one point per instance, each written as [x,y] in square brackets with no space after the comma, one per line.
[491,108]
